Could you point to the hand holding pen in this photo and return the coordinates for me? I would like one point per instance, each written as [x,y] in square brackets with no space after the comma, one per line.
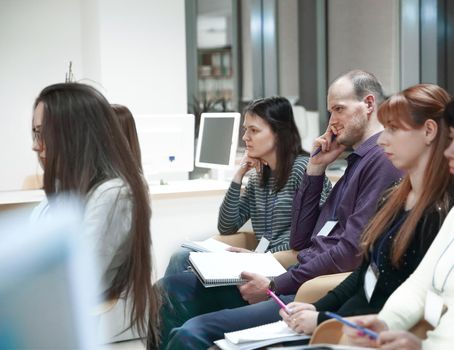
[319,148]
[325,142]
[370,333]
[279,302]
[359,338]
[303,317]
[294,315]
[326,150]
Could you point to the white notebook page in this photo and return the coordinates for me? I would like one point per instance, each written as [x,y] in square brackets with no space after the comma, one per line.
[215,266]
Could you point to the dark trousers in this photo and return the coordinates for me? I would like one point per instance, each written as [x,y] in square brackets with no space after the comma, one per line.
[194,316]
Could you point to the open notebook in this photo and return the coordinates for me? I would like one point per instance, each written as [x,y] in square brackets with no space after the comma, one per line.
[321,347]
[221,269]
[208,245]
[257,337]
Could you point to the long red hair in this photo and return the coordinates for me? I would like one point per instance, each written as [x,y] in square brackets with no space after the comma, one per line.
[410,109]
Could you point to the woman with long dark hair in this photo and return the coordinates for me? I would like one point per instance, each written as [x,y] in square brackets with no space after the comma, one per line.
[82,149]
[128,125]
[410,214]
[275,162]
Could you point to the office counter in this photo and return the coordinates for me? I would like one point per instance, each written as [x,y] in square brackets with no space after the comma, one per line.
[183,210]
[180,210]
[20,199]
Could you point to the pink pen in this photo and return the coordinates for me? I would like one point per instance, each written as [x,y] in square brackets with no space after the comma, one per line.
[279,301]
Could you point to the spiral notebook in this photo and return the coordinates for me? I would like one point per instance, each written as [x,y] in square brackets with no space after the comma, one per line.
[257,337]
[223,269]
[320,346]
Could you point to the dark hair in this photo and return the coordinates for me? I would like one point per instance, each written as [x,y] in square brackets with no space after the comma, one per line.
[410,109]
[278,113]
[128,126]
[365,83]
[85,147]
[449,114]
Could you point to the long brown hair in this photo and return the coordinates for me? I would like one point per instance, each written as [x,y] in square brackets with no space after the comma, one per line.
[85,147]
[410,109]
[277,112]
[128,126]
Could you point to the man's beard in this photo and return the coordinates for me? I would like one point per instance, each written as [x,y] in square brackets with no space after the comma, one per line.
[353,133]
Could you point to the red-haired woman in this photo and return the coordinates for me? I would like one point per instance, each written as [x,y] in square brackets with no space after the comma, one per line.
[409,216]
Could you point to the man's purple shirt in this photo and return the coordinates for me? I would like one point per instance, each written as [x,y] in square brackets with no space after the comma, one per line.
[352,202]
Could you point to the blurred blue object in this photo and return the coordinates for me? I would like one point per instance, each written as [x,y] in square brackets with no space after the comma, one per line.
[47,281]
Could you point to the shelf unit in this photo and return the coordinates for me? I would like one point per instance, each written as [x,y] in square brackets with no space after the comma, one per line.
[215,74]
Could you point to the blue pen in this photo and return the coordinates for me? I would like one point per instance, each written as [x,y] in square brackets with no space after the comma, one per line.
[317,151]
[370,333]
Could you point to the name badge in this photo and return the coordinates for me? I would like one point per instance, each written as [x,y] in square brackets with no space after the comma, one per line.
[433,308]
[370,281]
[327,228]
[262,246]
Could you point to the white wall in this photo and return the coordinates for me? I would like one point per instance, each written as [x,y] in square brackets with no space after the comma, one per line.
[143,54]
[364,34]
[288,48]
[133,51]
[179,218]
[214,7]
[34,53]
[246,51]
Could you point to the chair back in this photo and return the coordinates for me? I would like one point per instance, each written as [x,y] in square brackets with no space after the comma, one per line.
[328,332]
[287,258]
[245,240]
[318,287]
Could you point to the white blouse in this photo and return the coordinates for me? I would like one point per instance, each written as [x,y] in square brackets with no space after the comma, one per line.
[405,307]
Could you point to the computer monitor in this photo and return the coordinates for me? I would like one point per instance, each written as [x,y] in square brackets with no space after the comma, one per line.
[47,289]
[218,140]
[166,142]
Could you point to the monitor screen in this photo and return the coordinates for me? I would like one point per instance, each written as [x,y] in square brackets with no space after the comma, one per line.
[166,142]
[218,139]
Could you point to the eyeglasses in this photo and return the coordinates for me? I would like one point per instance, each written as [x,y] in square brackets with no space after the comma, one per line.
[37,137]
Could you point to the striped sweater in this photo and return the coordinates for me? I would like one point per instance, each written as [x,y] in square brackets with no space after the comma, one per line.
[270,212]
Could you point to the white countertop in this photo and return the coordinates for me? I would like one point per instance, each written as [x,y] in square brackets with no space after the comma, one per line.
[21,196]
[156,190]
[172,189]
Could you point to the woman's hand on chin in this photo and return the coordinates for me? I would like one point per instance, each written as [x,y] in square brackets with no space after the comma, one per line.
[246,164]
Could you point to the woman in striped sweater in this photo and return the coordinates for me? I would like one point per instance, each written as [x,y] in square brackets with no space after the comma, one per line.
[276,166]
